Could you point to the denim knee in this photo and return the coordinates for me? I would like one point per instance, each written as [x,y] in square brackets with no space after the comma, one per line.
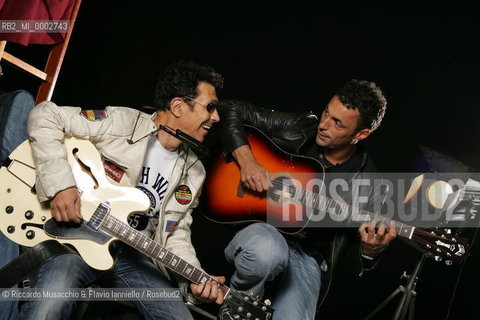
[64,271]
[258,251]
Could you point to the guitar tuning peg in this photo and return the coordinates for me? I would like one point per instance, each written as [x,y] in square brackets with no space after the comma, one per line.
[448,262]
[267,302]
[448,231]
[438,258]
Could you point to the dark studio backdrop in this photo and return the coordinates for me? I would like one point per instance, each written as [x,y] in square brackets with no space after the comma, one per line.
[292,58]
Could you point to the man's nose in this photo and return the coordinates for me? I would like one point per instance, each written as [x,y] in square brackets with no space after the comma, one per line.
[214,116]
[324,124]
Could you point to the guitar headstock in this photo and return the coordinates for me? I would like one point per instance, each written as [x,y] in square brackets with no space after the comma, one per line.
[245,307]
[438,243]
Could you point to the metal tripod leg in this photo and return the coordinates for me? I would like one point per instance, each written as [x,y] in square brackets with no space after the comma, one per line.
[407,302]
[385,302]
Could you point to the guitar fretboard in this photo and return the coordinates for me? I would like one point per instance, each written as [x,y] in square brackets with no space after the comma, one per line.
[320,202]
[152,249]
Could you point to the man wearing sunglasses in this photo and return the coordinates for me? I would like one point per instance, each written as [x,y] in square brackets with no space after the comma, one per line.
[135,152]
[294,266]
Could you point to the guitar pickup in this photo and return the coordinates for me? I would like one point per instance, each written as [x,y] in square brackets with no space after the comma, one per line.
[97,218]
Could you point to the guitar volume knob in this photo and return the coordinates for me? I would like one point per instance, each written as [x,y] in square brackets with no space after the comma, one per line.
[10,229]
[29,214]
[9,209]
[30,234]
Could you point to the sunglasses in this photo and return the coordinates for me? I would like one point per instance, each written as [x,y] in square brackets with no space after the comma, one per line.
[211,107]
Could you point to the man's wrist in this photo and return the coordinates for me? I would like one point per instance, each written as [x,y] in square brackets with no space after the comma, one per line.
[367,254]
[243,155]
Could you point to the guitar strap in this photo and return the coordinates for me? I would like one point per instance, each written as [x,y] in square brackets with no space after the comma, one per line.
[28,262]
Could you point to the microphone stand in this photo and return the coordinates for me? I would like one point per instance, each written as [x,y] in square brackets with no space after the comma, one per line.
[407,301]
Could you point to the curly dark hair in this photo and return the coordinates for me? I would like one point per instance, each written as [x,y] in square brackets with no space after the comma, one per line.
[181,79]
[367,98]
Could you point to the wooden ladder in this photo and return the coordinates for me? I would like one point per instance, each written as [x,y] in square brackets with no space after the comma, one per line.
[54,62]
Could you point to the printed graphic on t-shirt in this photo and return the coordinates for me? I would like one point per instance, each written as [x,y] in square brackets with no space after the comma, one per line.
[138,221]
[153,181]
[154,186]
[159,184]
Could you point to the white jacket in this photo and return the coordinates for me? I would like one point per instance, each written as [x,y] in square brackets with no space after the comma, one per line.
[47,125]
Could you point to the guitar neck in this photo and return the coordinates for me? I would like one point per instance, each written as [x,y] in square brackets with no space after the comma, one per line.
[321,202]
[152,249]
[403,230]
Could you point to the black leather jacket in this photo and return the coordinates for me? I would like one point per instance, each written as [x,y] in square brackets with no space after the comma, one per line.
[292,132]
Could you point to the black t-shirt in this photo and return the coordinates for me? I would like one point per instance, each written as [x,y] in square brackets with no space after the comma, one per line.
[315,240]
[353,164]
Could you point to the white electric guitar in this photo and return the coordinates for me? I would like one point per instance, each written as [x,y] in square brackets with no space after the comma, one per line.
[105,208]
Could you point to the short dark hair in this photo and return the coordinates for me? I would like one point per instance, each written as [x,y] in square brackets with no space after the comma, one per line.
[368,98]
[181,79]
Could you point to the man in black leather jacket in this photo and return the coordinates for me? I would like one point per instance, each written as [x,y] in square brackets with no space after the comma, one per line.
[292,269]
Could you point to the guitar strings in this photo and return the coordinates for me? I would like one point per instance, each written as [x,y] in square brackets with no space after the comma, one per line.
[117,226]
[328,202]
[418,233]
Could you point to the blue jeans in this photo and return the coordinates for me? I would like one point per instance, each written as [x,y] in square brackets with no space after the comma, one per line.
[15,107]
[132,270]
[261,255]
[10,250]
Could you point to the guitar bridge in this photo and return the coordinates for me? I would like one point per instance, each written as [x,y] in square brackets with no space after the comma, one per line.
[97,218]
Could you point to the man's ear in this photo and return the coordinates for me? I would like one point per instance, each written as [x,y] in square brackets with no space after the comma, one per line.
[176,106]
[362,134]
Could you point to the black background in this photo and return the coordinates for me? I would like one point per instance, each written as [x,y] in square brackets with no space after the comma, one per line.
[293,57]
